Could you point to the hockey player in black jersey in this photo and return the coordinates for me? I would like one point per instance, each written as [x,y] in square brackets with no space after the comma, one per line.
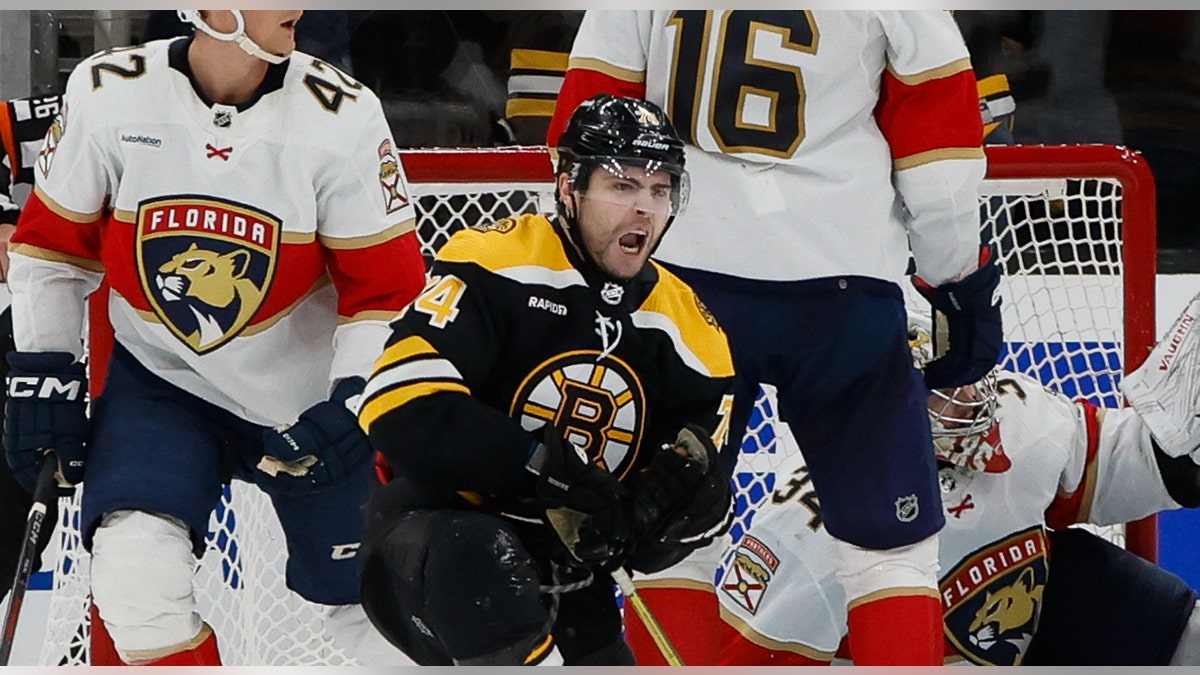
[549,369]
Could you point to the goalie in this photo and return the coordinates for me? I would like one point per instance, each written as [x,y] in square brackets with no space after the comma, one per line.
[1018,464]
[549,409]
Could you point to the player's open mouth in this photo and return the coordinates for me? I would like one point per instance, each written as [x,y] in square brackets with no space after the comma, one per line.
[633,242]
[290,25]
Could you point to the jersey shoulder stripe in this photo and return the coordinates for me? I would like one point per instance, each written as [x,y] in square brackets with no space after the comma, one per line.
[525,249]
[600,66]
[676,309]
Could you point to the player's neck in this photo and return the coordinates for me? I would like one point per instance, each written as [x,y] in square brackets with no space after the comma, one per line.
[224,72]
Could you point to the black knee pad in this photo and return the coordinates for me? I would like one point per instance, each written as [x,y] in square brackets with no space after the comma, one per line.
[452,586]
[1105,606]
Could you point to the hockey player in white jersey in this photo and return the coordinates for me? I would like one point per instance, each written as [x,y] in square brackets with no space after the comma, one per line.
[826,144]
[245,207]
[1018,464]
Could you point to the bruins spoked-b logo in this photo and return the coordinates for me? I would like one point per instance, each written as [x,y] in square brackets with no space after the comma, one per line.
[993,598]
[205,265]
[598,406]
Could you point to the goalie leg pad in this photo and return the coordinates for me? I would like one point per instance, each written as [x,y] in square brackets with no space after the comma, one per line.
[1165,390]
[142,568]
[1103,605]
[452,586]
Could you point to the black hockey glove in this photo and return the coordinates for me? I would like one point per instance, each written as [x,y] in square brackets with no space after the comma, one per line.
[322,449]
[585,503]
[680,503]
[46,410]
[971,311]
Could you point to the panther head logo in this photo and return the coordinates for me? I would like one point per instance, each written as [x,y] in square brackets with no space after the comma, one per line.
[209,281]
[205,265]
[1007,613]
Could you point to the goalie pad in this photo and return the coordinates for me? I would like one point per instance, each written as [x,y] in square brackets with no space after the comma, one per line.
[1165,390]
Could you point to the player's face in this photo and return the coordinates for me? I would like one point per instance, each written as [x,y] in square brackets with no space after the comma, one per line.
[274,30]
[622,217]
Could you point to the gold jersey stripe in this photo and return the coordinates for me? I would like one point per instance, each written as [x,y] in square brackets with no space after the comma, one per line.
[992,85]
[930,156]
[532,234]
[529,107]
[952,68]
[40,253]
[539,652]
[582,63]
[298,238]
[351,243]
[407,348]
[747,631]
[899,592]
[368,315]
[700,333]
[63,212]
[400,396]
[537,59]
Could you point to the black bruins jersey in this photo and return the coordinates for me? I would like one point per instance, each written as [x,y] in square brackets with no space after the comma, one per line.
[514,331]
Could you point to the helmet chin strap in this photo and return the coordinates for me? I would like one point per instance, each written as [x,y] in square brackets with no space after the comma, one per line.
[237,36]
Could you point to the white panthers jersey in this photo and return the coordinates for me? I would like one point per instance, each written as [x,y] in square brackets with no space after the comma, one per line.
[235,239]
[800,167]
[1070,463]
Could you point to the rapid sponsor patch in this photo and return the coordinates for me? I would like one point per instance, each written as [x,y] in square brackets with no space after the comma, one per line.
[597,404]
[993,598]
[205,265]
[749,572]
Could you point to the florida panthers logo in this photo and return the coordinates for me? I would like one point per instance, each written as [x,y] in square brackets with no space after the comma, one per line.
[597,403]
[205,265]
[993,599]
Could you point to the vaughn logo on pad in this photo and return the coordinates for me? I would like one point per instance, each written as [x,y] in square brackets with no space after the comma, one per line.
[205,265]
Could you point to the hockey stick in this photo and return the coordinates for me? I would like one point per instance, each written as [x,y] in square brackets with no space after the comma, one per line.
[43,492]
[653,627]
[566,523]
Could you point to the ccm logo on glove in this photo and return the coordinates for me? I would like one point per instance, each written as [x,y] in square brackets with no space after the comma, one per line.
[44,387]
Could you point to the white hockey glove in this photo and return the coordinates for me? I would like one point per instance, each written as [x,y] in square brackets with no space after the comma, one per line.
[1165,390]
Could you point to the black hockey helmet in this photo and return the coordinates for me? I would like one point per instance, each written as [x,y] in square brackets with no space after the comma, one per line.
[614,131]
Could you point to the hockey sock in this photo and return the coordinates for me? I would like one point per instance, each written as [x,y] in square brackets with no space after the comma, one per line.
[201,651]
[903,630]
[103,651]
[687,616]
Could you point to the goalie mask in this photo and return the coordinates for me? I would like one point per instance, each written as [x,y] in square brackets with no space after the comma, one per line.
[238,35]
[965,429]
[617,135]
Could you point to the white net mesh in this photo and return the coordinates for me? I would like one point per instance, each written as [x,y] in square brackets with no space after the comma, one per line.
[1061,247]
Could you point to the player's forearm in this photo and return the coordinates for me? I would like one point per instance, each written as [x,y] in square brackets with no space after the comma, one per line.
[943,199]
[453,440]
[39,284]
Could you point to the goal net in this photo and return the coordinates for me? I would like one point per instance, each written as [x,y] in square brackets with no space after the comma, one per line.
[1074,229]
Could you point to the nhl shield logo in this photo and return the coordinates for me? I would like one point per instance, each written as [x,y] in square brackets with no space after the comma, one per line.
[907,508]
[205,265]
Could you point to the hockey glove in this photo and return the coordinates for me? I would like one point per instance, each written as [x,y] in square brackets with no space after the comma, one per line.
[46,410]
[680,502]
[967,316]
[322,449]
[585,503]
